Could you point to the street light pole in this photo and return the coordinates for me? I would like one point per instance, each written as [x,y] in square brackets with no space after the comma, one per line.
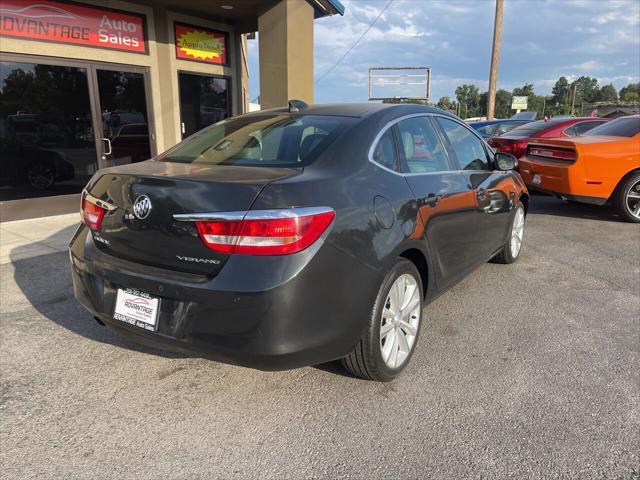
[495,60]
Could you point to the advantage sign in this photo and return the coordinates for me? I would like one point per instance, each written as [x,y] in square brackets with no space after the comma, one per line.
[519,103]
[72,23]
[201,44]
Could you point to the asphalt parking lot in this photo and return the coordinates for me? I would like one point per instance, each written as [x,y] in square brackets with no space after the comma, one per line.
[522,371]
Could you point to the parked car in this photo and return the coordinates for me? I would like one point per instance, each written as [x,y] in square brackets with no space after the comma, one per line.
[32,165]
[599,167]
[493,128]
[291,237]
[515,141]
[131,141]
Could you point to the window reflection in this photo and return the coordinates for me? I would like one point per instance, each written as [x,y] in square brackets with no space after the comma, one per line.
[46,137]
[204,100]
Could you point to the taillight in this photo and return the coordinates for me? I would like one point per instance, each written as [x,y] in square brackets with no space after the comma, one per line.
[265,232]
[519,149]
[92,214]
[555,153]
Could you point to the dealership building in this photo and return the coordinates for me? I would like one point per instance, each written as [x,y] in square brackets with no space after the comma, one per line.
[87,85]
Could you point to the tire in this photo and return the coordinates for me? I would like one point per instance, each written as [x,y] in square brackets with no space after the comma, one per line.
[627,199]
[41,176]
[508,254]
[366,360]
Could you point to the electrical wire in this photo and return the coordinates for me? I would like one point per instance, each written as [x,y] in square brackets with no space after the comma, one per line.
[355,43]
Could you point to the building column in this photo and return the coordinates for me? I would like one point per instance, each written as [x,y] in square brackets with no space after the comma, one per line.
[286,53]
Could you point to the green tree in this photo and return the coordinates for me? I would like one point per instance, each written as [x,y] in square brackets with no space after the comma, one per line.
[561,91]
[445,103]
[630,93]
[524,91]
[608,93]
[586,90]
[469,98]
[482,104]
[503,104]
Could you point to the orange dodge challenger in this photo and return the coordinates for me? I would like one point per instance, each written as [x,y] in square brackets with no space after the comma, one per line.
[601,166]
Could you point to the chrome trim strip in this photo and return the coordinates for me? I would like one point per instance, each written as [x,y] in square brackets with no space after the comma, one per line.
[209,216]
[390,124]
[110,207]
[251,214]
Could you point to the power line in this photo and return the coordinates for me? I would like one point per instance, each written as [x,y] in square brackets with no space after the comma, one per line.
[356,42]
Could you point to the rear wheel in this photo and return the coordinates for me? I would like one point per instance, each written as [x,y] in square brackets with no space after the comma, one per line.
[41,176]
[627,199]
[391,335]
[511,249]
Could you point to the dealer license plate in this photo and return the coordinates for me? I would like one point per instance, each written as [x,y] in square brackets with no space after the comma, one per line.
[536,180]
[136,308]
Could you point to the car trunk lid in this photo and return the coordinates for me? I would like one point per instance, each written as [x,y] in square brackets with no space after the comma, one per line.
[158,239]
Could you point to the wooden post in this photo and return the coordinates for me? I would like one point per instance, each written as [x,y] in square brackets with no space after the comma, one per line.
[495,60]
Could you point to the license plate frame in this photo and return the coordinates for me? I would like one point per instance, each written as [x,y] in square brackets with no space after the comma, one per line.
[137,308]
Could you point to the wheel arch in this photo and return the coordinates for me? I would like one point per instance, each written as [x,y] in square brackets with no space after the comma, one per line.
[419,259]
[524,198]
[622,181]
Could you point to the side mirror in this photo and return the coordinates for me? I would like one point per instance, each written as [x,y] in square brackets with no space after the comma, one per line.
[505,161]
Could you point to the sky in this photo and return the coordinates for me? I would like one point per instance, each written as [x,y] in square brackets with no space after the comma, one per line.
[541,41]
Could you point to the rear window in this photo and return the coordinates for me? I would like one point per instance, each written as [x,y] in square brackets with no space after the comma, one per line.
[620,127]
[279,140]
[532,128]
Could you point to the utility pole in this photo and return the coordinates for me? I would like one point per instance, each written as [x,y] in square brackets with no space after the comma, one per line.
[573,101]
[495,60]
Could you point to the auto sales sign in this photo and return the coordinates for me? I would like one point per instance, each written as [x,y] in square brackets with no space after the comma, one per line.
[73,23]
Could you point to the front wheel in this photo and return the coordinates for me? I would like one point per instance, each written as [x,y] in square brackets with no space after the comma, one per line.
[391,335]
[41,176]
[627,200]
[511,249]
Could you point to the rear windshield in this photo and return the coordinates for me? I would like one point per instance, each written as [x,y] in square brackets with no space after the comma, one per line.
[277,140]
[531,128]
[620,127]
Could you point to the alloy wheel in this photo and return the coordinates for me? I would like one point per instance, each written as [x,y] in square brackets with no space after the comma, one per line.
[632,199]
[41,176]
[517,232]
[400,321]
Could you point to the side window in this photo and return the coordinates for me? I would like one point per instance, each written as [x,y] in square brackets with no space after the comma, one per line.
[385,151]
[505,127]
[467,149]
[488,130]
[423,151]
[584,127]
[571,131]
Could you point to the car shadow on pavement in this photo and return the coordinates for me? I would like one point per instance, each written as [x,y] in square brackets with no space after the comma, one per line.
[45,280]
[543,204]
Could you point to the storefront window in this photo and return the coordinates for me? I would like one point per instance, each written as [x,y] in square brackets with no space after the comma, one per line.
[203,100]
[125,125]
[46,138]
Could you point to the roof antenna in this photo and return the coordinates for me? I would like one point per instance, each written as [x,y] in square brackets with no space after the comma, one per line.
[297,105]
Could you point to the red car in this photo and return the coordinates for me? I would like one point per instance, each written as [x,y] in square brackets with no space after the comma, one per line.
[515,141]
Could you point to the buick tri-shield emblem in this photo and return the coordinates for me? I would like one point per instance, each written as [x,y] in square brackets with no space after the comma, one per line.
[142,207]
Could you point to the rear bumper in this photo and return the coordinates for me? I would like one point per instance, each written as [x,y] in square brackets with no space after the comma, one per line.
[270,313]
[567,181]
